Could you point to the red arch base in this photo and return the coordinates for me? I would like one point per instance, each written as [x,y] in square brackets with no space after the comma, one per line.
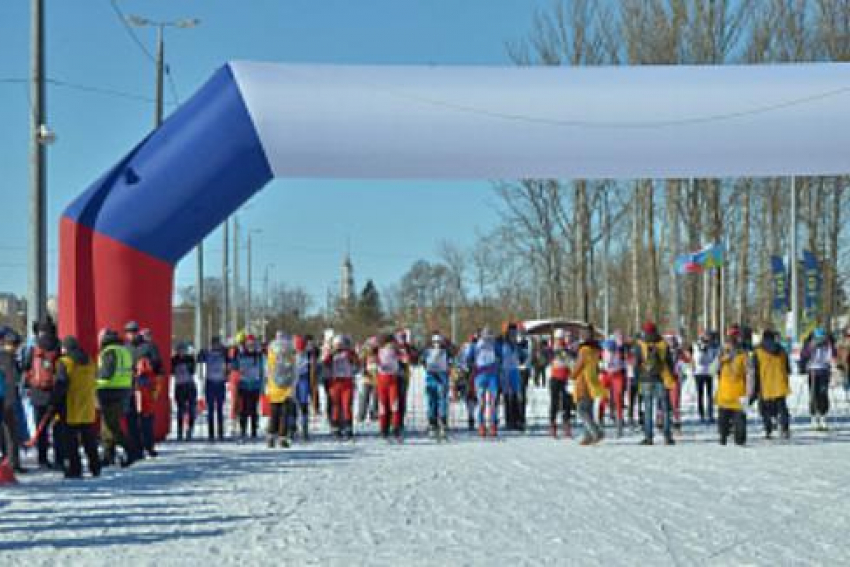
[104,283]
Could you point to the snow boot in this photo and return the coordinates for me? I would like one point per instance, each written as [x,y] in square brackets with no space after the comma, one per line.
[568,431]
[494,431]
[285,443]
[482,431]
[586,441]
[646,441]
[553,431]
[669,440]
[271,442]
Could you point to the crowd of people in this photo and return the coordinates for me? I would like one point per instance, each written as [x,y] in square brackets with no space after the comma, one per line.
[96,403]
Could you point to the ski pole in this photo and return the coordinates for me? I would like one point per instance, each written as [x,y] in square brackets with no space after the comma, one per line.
[39,430]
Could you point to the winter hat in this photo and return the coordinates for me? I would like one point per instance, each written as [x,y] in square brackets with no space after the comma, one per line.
[131,327]
[649,328]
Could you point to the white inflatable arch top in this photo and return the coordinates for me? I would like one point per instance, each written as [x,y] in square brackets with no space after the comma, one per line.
[550,122]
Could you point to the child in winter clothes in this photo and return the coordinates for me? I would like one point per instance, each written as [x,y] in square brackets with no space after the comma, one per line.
[280,389]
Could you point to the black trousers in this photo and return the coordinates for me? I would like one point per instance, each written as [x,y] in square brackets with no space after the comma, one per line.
[635,401]
[282,419]
[186,398]
[248,402]
[75,436]
[819,392]
[524,379]
[560,401]
[775,409]
[705,396]
[540,375]
[732,421]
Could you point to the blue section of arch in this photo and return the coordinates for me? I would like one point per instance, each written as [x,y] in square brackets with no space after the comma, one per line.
[184,179]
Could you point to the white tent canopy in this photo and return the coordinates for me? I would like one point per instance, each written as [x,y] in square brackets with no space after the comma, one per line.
[550,122]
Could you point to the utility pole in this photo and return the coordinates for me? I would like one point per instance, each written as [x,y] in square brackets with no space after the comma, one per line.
[674,193]
[40,136]
[795,266]
[235,299]
[606,299]
[225,281]
[248,320]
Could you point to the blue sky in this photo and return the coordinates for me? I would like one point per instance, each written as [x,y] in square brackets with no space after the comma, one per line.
[305,223]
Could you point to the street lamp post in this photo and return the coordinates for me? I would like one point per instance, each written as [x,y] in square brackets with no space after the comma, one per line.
[186,23]
[248,322]
[266,303]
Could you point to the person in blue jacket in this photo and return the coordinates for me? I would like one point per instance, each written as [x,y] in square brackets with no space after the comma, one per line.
[250,365]
[215,362]
[436,360]
[484,360]
[511,356]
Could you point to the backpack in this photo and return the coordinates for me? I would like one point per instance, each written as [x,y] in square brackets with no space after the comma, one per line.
[653,363]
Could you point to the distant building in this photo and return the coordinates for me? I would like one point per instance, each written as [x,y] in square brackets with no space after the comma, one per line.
[11,305]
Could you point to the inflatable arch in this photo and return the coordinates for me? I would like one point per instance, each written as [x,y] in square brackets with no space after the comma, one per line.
[251,122]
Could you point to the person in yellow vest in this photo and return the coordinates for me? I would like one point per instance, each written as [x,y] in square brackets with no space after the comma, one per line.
[114,393]
[588,387]
[280,389]
[654,372]
[772,372]
[734,388]
[74,399]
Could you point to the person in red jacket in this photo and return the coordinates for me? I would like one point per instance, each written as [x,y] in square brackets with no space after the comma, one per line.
[387,385]
[614,360]
[342,361]
[41,379]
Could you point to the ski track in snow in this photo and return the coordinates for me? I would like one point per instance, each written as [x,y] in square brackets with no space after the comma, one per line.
[528,500]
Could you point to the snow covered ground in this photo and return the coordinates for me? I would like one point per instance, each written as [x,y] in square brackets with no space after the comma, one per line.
[526,500]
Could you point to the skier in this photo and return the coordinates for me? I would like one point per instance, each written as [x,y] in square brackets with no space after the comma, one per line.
[368,397]
[305,368]
[114,394]
[407,358]
[560,400]
[705,369]
[280,389]
[185,390]
[485,361]
[41,376]
[511,357]
[74,400]
[680,361]
[387,384]
[146,393]
[436,361]
[214,363]
[465,383]
[249,365]
[653,367]
[343,361]
[614,378]
[134,341]
[540,359]
[734,389]
[772,371]
[588,387]
[524,345]
[817,357]
[10,374]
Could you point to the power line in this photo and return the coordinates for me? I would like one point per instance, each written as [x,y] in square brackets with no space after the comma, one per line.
[105,91]
[123,19]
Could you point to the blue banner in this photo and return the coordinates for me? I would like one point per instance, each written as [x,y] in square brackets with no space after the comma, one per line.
[811,286]
[780,284]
